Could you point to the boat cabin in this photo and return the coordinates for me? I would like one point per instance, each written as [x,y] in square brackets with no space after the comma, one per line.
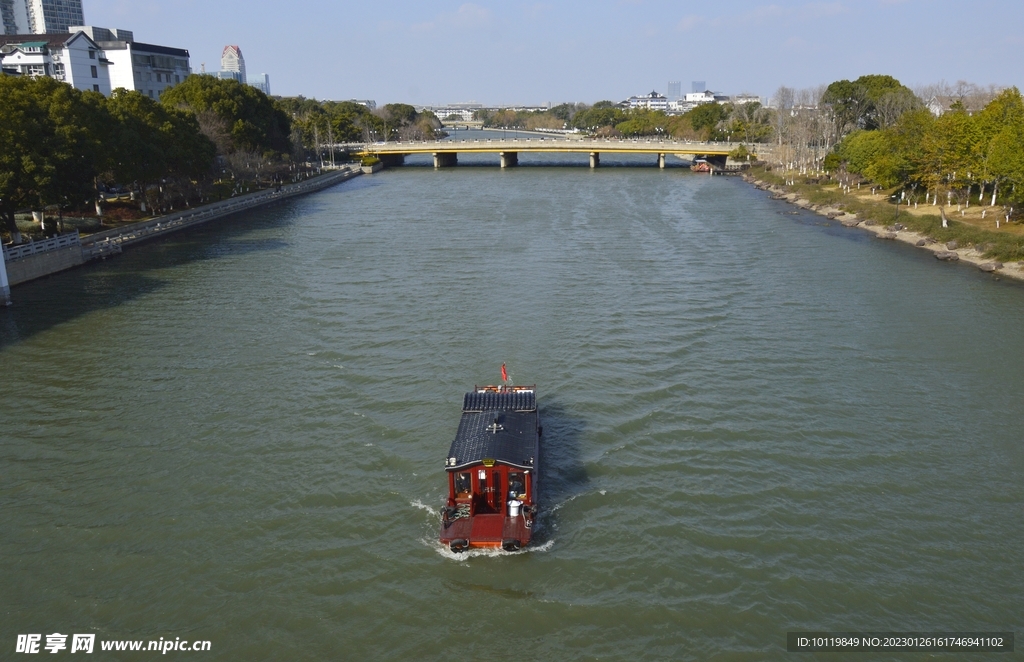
[492,470]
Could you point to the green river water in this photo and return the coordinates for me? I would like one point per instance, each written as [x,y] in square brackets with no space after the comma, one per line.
[754,422]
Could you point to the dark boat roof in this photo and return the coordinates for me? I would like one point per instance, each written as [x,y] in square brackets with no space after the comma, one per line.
[513,441]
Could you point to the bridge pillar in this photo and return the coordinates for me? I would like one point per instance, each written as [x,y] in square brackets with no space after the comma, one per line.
[509,159]
[661,160]
[5,285]
[595,159]
[445,159]
[392,160]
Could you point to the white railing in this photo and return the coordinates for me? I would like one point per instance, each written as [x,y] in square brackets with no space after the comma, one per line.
[35,247]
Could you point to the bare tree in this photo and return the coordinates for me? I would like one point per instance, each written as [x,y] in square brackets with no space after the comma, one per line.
[891,106]
[782,102]
[216,129]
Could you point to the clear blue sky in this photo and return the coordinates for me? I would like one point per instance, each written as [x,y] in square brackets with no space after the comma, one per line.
[535,52]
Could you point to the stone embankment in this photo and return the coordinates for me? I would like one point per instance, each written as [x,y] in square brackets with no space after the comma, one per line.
[947,252]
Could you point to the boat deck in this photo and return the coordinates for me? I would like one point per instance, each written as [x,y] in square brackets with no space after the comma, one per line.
[487,530]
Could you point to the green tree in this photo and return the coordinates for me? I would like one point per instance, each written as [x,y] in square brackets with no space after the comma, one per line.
[1000,125]
[25,139]
[861,149]
[252,120]
[900,161]
[705,118]
[866,103]
[602,113]
[643,122]
[950,153]
[80,124]
[151,141]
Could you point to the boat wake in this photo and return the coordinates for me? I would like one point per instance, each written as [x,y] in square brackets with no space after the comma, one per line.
[422,506]
[486,552]
[474,552]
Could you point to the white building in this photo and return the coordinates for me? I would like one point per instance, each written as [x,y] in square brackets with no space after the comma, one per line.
[698,98]
[745,98]
[464,114]
[71,58]
[145,68]
[652,101]
[39,16]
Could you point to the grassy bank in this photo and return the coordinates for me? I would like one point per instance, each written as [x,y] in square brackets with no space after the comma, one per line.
[1005,244]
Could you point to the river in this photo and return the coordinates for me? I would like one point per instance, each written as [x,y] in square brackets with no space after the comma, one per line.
[755,421]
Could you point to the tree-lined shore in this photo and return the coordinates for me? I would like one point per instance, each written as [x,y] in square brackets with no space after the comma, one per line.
[63,151]
[86,160]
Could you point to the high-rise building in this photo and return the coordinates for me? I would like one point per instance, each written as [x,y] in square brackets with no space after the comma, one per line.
[675,90]
[261,83]
[13,17]
[231,60]
[40,16]
[699,87]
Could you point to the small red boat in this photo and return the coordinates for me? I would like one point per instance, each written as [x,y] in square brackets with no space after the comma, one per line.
[492,470]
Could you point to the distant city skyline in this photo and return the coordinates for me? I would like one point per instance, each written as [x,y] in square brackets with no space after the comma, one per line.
[531,54]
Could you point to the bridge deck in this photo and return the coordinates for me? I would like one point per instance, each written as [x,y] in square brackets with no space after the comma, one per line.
[548,145]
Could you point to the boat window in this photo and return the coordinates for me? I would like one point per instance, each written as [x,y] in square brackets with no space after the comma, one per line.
[463,485]
[516,484]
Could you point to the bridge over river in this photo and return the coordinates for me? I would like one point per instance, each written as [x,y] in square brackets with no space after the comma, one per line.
[446,152]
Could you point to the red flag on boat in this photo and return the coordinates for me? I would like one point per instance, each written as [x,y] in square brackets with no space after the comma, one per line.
[504,373]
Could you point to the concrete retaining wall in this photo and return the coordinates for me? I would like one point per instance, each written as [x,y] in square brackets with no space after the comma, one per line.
[43,264]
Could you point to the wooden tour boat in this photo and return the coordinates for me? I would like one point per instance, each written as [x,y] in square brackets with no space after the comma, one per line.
[701,165]
[492,470]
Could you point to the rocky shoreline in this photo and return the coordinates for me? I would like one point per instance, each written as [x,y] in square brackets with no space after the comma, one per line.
[947,252]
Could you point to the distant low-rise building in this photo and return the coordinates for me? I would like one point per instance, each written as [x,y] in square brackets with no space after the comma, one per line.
[70,58]
[698,98]
[464,114]
[745,98]
[652,101]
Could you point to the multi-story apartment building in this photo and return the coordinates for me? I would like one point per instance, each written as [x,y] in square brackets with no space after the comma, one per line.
[98,59]
[71,58]
[146,68]
[39,16]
